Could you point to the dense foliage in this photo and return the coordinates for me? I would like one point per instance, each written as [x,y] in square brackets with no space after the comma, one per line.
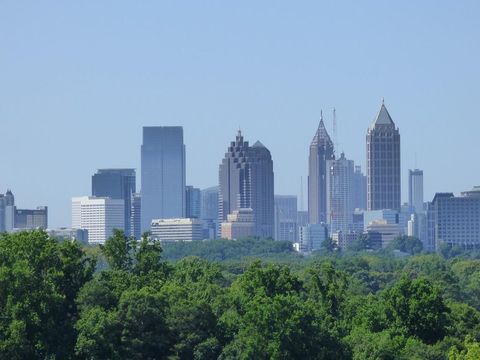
[359,305]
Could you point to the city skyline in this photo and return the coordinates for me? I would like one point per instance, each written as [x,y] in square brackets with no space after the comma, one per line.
[76,96]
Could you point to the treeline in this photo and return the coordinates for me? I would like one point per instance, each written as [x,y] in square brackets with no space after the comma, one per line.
[53,305]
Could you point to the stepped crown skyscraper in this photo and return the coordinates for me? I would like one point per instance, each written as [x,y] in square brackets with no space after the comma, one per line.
[163,174]
[321,150]
[383,163]
[246,181]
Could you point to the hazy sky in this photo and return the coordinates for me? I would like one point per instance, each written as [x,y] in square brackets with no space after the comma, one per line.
[79,79]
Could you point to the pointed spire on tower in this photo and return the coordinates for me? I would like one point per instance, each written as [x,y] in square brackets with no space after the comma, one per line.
[321,136]
[383,117]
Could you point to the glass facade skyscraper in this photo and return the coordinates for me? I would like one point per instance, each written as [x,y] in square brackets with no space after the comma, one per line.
[119,184]
[163,174]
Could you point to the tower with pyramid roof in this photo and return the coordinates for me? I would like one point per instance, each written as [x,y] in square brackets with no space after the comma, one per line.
[321,150]
[383,163]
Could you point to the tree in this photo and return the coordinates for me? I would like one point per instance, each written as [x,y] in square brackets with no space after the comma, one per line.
[39,282]
[417,307]
[119,251]
[407,244]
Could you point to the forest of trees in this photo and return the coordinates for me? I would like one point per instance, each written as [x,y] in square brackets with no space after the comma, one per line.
[251,299]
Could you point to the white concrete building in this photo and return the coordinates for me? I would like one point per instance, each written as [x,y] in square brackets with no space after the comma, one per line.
[99,216]
[180,229]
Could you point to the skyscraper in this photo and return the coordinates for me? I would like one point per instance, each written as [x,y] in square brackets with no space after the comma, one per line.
[246,181]
[321,150]
[340,194]
[117,184]
[209,212]
[163,174]
[359,189]
[286,218]
[415,190]
[192,196]
[135,217]
[99,216]
[383,163]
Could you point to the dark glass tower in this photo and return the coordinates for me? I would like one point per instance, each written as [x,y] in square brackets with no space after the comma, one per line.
[383,163]
[321,150]
[116,184]
[163,174]
[246,180]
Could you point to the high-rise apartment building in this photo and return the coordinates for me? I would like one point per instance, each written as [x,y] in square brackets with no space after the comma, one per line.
[163,174]
[99,216]
[246,181]
[116,184]
[359,189]
[192,196]
[286,218]
[321,150]
[383,163]
[340,208]
[415,190]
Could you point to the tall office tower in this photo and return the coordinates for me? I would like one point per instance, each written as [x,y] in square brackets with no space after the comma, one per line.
[32,219]
[383,163]
[116,184]
[321,150]
[163,174]
[99,216]
[286,218]
[192,196]
[415,190]
[359,189]
[209,212]
[135,216]
[246,181]
[340,194]
[455,220]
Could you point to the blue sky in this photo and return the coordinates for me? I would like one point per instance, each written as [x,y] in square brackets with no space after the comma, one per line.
[79,79]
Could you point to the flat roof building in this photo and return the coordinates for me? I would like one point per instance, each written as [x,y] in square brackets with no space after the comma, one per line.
[179,229]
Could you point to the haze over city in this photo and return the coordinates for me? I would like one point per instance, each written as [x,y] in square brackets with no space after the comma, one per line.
[78,82]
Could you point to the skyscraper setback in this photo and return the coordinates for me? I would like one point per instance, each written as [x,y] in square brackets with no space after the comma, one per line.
[246,181]
[321,150]
[163,174]
[383,163]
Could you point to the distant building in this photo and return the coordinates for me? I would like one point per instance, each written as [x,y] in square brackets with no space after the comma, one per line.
[135,216]
[116,184]
[383,163]
[246,181]
[312,236]
[31,218]
[99,216]
[384,233]
[415,190]
[192,196]
[390,216]
[286,218]
[163,174]
[66,234]
[455,221]
[7,212]
[209,212]
[321,150]
[173,230]
[240,224]
[359,189]
[345,240]
[340,194]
